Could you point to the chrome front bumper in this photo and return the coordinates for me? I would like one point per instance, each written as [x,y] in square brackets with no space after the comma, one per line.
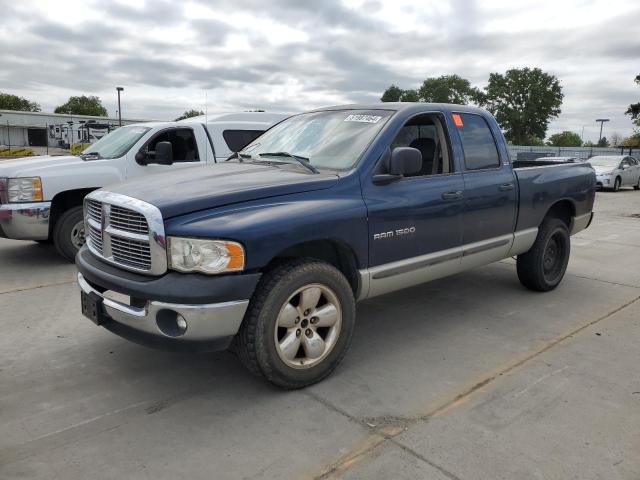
[197,324]
[25,221]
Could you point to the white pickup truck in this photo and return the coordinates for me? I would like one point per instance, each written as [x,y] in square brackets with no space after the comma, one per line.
[41,197]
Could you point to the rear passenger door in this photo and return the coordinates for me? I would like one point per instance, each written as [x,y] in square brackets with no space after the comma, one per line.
[490,190]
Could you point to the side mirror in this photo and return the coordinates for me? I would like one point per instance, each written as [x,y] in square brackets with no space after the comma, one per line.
[625,166]
[141,158]
[405,161]
[164,153]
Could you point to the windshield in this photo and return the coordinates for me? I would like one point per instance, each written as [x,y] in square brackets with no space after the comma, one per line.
[329,139]
[116,143]
[604,161]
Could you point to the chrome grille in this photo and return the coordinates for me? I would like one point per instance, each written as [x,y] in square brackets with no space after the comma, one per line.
[128,220]
[126,232]
[95,237]
[94,210]
[131,252]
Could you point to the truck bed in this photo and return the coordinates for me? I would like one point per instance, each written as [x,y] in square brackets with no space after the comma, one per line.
[541,184]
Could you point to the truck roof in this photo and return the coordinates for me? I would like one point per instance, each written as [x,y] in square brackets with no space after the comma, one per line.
[233,117]
[406,106]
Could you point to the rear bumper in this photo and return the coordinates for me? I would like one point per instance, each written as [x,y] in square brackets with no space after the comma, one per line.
[25,221]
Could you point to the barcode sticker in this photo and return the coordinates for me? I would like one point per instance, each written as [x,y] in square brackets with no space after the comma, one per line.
[363,118]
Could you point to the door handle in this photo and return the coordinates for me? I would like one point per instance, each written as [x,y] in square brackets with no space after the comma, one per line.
[505,187]
[452,195]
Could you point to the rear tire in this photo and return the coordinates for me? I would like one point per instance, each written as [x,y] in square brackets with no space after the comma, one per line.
[637,185]
[616,184]
[68,233]
[299,324]
[544,265]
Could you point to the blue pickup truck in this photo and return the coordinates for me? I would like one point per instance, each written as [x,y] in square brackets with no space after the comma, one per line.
[268,253]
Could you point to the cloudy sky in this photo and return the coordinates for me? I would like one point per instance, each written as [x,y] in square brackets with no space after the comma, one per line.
[291,55]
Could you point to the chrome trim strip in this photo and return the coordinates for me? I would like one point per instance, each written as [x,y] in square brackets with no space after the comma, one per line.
[523,240]
[156,237]
[482,246]
[415,265]
[412,271]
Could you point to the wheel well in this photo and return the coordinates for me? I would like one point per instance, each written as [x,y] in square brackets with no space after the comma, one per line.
[63,201]
[333,252]
[563,210]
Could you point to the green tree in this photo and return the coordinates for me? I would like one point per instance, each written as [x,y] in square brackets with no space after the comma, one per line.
[565,139]
[632,140]
[523,101]
[448,89]
[634,108]
[397,94]
[83,105]
[189,114]
[603,142]
[392,94]
[533,141]
[14,102]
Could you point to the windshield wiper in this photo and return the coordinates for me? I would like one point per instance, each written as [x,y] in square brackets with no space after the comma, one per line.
[90,156]
[304,161]
[239,156]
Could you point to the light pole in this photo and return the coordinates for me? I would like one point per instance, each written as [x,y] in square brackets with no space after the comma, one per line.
[601,120]
[119,89]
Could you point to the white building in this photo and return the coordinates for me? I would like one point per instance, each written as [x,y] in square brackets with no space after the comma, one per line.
[38,129]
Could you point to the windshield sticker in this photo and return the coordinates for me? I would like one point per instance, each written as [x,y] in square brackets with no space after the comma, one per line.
[363,118]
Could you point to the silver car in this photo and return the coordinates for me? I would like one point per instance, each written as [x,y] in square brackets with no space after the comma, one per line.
[615,171]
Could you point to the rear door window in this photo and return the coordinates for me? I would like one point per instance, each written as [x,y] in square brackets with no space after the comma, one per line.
[478,144]
[238,139]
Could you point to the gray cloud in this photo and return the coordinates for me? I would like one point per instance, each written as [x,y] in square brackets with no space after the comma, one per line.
[292,55]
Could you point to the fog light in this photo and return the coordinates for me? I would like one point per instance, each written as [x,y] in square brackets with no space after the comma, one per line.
[171,323]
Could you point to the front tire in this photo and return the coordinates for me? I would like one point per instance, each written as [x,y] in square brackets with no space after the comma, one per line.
[544,265]
[68,233]
[616,184]
[299,324]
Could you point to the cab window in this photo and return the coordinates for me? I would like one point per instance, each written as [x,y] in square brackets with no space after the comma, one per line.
[238,139]
[425,133]
[182,140]
[478,144]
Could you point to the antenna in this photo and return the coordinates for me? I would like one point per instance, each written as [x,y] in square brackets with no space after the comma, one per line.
[206,123]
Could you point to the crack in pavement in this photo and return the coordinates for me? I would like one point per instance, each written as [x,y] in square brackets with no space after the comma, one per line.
[35,287]
[388,431]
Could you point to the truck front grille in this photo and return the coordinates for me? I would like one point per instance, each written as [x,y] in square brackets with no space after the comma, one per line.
[128,220]
[126,232]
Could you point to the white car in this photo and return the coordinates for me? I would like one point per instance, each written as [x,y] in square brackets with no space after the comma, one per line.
[615,171]
[41,197]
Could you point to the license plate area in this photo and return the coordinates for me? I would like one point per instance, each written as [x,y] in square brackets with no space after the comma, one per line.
[92,308]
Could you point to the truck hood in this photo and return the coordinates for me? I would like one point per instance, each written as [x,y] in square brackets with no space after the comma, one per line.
[35,166]
[198,188]
[603,170]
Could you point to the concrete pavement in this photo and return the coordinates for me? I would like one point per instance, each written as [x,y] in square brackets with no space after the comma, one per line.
[468,377]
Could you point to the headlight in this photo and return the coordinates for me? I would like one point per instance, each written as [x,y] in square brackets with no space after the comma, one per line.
[206,256]
[28,189]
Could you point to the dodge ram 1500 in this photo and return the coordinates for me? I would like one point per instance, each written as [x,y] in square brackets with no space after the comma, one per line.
[268,253]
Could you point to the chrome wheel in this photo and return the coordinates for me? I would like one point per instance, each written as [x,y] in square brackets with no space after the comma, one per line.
[308,326]
[77,235]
